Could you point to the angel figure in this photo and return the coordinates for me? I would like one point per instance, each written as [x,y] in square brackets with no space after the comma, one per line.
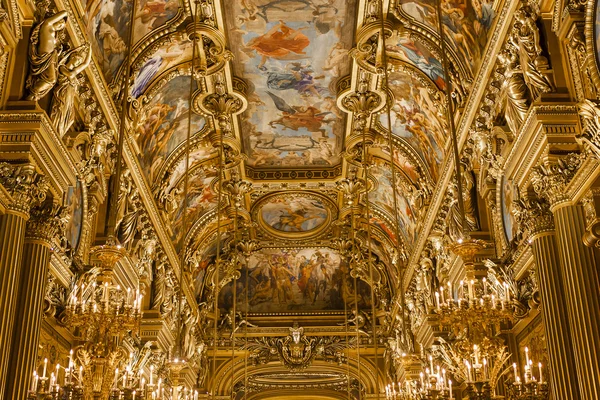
[71,65]
[43,55]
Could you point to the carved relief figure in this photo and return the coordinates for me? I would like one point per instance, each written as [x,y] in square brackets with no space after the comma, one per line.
[69,67]
[44,50]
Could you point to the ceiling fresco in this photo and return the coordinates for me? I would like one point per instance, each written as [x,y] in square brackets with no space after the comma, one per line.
[201,198]
[108,23]
[175,50]
[382,197]
[418,54]
[163,126]
[295,280]
[291,52]
[415,117]
[466,23]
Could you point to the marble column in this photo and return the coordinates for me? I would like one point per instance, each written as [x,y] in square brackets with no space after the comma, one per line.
[43,227]
[582,287]
[542,236]
[26,188]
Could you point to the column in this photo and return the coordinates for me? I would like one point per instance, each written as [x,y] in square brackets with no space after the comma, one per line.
[580,273]
[539,223]
[26,188]
[42,228]
[12,233]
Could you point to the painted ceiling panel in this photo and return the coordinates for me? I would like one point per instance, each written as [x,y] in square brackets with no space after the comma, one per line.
[108,23]
[176,50]
[295,280]
[466,24]
[291,51]
[383,198]
[163,125]
[415,117]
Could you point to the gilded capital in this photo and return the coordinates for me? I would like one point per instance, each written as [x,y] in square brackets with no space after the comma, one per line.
[26,187]
[47,223]
[550,179]
[534,217]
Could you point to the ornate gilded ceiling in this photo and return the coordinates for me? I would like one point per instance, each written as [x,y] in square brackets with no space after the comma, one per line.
[278,80]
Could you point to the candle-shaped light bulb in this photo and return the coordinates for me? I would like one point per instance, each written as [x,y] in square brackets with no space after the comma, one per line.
[450,388]
[527,354]
[431,363]
[540,369]
[151,373]
[437,300]
[45,365]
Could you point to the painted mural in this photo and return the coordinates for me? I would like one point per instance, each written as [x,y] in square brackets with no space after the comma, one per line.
[108,22]
[175,52]
[295,280]
[508,218]
[467,24]
[414,52]
[291,213]
[74,202]
[291,51]
[383,199]
[163,127]
[201,198]
[415,118]
[152,14]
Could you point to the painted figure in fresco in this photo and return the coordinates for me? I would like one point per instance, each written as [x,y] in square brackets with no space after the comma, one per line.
[429,65]
[280,42]
[455,16]
[44,50]
[298,77]
[296,117]
[163,59]
[154,13]
[72,64]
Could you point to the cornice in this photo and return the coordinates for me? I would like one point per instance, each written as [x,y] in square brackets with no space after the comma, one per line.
[28,135]
[545,126]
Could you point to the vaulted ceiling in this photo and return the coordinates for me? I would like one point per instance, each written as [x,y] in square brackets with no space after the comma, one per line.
[287,66]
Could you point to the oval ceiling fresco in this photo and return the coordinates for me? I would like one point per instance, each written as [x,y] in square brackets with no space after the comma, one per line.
[415,118]
[291,52]
[466,24]
[294,214]
[163,125]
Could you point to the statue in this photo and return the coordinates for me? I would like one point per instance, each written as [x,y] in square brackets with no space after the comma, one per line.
[69,68]
[515,88]
[526,37]
[43,55]
[469,204]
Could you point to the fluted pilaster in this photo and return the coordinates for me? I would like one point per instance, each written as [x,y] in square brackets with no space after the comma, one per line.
[36,257]
[582,288]
[563,380]
[44,227]
[12,234]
